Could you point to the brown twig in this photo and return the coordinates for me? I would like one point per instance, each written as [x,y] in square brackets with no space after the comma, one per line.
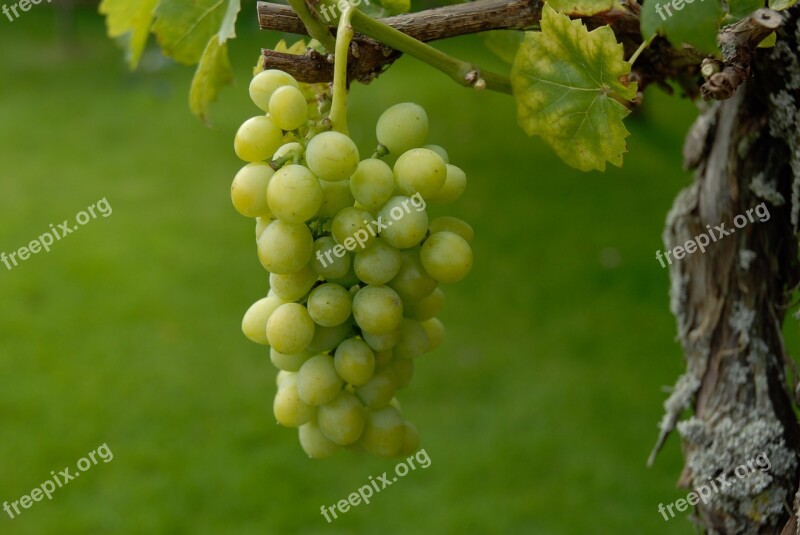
[738,43]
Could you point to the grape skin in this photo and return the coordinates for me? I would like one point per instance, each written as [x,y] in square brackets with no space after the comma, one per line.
[257,139]
[446,256]
[402,127]
[264,84]
[317,381]
[329,305]
[284,248]
[354,361]
[249,190]
[288,108]
[342,419]
[377,309]
[290,328]
[332,156]
[294,194]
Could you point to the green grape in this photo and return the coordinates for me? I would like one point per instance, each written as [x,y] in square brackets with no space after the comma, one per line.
[329,305]
[264,84]
[377,309]
[403,372]
[402,127]
[328,338]
[420,171]
[384,432]
[372,184]
[382,342]
[293,149]
[283,376]
[326,263]
[427,308]
[294,286]
[262,223]
[289,409]
[257,139]
[440,151]
[454,186]
[406,223]
[342,419]
[454,225]
[349,280]
[288,108]
[410,440]
[249,190]
[317,381]
[413,340]
[254,323]
[352,228]
[412,283]
[434,328]
[383,359]
[354,361]
[294,194]
[290,329]
[284,248]
[332,156]
[289,363]
[446,256]
[378,391]
[377,264]
[336,196]
[315,443]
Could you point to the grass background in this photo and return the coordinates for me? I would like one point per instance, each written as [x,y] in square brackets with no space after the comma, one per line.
[537,413]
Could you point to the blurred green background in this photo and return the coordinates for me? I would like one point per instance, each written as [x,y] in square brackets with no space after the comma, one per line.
[537,413]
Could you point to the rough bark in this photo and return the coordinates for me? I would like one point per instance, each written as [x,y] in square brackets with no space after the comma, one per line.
[730,302]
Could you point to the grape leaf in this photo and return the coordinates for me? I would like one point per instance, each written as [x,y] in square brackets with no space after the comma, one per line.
[183,27]
[739,9]
[581,7]
[566,81]
[780,5]
[129,20]
[213,72]
[696,22]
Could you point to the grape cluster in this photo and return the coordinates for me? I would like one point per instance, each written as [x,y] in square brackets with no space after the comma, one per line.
[354,262]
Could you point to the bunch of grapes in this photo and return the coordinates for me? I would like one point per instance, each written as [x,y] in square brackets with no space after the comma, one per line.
[354,262]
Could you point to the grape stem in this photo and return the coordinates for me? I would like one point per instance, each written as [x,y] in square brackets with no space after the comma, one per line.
[464,73]
[344,35]
[315,27]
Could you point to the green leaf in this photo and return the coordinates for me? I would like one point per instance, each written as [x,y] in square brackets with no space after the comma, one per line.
[696,22]
[504,43]
[567,84]
[129,20]
[739,9]
[581,7]
[212,74]
[780,5]
[227,29]
[183,27]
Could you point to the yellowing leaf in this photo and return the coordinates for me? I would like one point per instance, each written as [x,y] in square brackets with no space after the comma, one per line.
[780,5]
[581,7]
[129,20]
[213,72]
[566,82]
